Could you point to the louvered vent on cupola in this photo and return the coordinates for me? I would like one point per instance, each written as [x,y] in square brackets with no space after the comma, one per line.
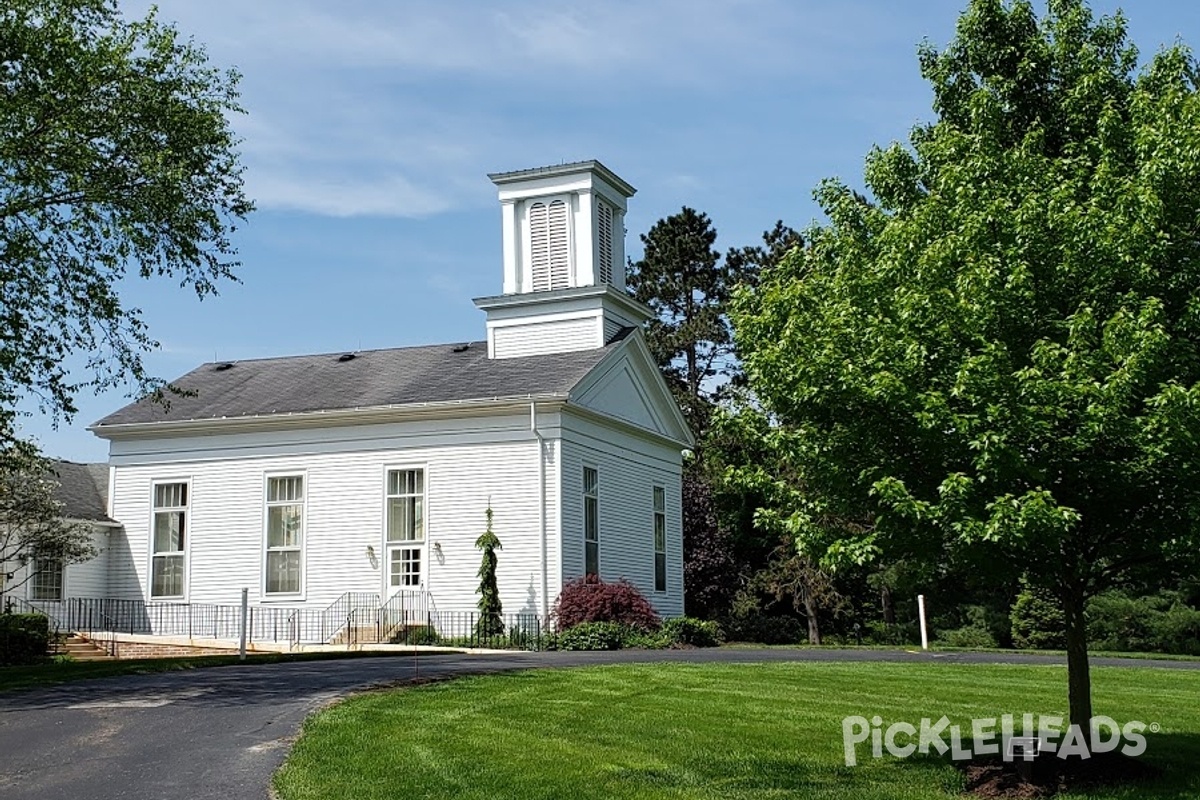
[549,246]
[604,240]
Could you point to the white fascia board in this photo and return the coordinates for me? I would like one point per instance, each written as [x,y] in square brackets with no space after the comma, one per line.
[330,418]
[668,400]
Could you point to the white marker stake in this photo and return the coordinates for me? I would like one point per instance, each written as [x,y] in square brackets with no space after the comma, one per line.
[921,612]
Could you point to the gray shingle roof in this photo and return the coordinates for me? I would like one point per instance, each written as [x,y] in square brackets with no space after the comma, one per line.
[82,489]
[371,379]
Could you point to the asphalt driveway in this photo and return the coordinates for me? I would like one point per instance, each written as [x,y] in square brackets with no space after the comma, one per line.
[220,733]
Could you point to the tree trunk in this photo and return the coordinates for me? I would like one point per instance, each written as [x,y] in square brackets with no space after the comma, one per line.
[889,608]
[1079,679]
[814,626]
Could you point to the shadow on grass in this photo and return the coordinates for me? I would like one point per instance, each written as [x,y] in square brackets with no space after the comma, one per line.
[1170,770]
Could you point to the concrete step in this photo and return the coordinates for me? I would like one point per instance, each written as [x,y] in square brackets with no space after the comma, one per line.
[361,635]
[80,649]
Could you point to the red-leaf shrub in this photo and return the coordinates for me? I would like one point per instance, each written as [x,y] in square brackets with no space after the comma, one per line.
[593,600]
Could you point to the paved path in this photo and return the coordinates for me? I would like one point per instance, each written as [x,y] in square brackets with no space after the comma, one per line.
[220,733]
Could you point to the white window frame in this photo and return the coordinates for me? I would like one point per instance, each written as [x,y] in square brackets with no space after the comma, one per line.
[660,542]
[594,496]
[299,594]
[35,566]
[420,545]
[187,537]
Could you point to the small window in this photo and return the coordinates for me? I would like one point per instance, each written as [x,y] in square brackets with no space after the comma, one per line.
[285,534]
[406,505]
[47,581]
[591,522]
[405,568]
[170,540]
[660,539]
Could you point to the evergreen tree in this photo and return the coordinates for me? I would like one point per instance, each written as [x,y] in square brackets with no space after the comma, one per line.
[491,621]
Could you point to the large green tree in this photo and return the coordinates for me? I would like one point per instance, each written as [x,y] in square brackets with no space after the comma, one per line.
[683,280]
[116,159]
[999,356]
[687,284]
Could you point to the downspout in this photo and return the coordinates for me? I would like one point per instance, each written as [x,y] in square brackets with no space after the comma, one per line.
[541,453]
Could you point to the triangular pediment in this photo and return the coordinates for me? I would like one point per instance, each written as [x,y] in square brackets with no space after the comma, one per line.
[628,386]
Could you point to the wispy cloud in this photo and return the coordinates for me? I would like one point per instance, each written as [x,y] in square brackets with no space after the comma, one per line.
[368,108]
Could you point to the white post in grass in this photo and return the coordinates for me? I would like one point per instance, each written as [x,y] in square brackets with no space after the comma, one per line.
[924,630]
[246,612]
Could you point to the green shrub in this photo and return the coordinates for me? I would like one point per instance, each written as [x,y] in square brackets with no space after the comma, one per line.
[1037,621]
[970,626]
[1155,624]
[763,628]
[23,638]
[417,635]
[593,636]
[1178,630]
[644,640]
[691,632]
[895,633]
[967,636]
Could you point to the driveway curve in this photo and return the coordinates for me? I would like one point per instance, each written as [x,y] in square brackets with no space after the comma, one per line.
[221,732]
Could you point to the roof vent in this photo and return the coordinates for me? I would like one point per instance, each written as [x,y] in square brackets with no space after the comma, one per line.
[347,357]
[462,348]
[223,367]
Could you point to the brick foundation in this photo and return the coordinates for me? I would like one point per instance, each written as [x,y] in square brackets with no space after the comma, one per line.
[130,650]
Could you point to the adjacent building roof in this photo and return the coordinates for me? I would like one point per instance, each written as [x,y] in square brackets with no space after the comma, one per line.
[82,490]
[369,379]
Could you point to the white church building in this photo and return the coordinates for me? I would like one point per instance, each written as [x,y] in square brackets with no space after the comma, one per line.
[342,479]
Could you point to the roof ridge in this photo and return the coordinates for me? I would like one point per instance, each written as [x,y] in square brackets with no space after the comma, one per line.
[333,353]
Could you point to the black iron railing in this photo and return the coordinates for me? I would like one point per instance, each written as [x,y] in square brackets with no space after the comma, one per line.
[409,618]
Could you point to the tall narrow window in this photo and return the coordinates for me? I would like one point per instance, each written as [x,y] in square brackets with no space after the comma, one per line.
[604,241]
[170,543]
[285,534]
[405,527]
[591,522]
[47,581]
[660,539]
[549,246]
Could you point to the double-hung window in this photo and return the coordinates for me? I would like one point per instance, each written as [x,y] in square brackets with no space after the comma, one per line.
[660,539]
[47,581]
[405,527]
[591,522]
[285,534]
[169,540]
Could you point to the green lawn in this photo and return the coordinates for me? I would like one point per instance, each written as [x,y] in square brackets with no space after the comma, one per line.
[701,731]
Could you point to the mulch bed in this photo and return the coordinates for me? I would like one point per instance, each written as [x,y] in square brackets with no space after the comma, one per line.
[991,776]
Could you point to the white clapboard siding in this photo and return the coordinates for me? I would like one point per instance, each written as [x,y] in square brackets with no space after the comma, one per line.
[628,468]
[80,579]
[552,336]
[90,578]
[466,463]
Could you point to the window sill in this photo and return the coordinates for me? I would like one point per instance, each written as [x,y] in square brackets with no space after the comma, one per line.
[281,598]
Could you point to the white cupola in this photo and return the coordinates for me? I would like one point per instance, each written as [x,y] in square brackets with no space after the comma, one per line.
[564,261]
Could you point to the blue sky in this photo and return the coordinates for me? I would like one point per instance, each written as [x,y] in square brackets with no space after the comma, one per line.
[372,125]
